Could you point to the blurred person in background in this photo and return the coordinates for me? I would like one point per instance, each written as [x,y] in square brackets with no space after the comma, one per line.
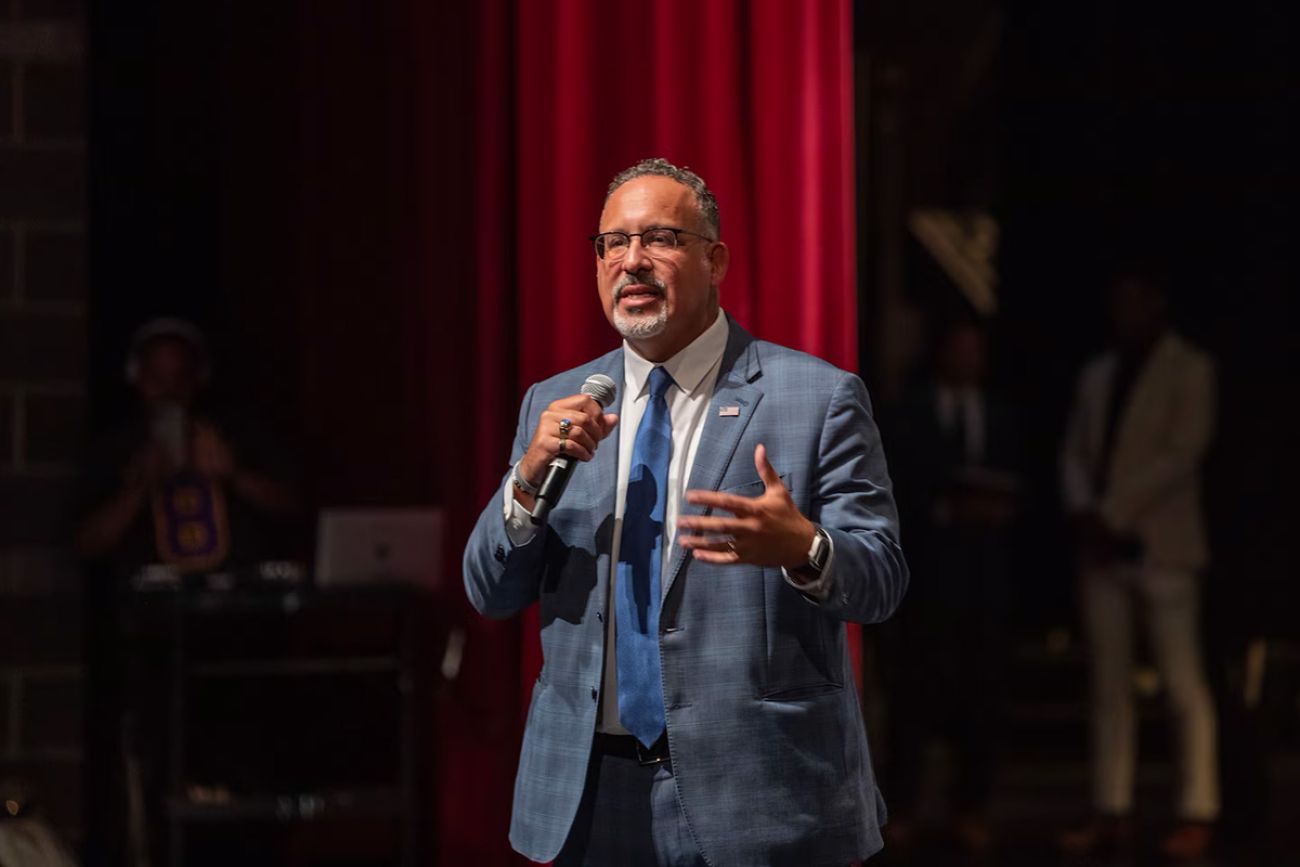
[180,483]
[193,489]
[1141,425]
[957,453]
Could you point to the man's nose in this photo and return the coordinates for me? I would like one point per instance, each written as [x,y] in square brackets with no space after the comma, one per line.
[636,259]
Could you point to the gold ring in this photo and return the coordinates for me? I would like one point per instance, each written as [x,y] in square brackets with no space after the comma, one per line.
[731,546]
[566,424]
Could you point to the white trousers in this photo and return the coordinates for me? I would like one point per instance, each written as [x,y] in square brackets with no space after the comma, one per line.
[1169,601]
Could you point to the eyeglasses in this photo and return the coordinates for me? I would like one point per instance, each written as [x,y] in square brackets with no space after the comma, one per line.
[657,241]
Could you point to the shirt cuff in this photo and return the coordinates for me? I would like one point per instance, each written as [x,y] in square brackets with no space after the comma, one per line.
[818,590]
[520,528]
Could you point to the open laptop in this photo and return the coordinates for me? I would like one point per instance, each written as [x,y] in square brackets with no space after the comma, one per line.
[379,546]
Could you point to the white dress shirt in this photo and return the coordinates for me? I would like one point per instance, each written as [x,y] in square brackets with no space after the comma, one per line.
[695,372]
[949,401]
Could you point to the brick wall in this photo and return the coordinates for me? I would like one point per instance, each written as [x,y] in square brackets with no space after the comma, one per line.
[43,356]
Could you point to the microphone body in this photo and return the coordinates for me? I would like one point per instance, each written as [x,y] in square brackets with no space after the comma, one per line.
[601,389]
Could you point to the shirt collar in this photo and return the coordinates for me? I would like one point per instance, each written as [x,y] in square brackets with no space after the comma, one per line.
[687,368]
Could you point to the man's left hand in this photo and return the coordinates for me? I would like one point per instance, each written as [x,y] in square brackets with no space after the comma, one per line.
[767,530]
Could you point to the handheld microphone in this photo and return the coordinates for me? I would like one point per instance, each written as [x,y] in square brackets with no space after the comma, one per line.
[169,426]
[603,390]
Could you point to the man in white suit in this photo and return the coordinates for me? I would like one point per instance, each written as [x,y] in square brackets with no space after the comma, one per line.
[1142,422]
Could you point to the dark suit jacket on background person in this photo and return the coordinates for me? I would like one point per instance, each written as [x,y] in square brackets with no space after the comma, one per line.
[930,469]
[768,746]
[949,639]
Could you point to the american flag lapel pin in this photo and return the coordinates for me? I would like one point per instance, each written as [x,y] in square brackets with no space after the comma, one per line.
[728,411]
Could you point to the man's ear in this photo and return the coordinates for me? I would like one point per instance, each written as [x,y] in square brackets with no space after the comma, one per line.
[719,259]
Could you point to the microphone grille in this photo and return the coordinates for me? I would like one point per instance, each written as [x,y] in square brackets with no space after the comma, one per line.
[601,388]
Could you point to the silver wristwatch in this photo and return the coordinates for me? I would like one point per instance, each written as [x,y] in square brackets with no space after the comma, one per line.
[818,553]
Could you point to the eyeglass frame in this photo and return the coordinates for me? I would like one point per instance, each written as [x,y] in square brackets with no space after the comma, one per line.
[677,242]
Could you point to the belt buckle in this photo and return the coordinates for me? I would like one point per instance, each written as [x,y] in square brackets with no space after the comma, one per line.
[645,756]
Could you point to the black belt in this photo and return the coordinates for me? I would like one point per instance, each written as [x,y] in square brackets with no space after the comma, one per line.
[628,747]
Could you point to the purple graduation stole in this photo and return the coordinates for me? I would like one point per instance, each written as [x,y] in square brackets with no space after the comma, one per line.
[190,522]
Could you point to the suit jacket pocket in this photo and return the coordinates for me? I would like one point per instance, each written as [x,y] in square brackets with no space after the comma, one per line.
[803,654]
[753,488]
[803,693]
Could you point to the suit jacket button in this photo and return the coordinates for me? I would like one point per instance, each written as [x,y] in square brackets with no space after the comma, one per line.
[600,617]
[500,554]
[594,693]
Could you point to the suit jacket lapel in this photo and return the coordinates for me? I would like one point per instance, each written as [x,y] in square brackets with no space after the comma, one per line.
[599,477]
[602,470]
[721,435]
[1133,418]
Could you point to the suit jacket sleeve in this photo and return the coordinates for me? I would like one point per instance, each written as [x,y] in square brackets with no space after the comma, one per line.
[853,502]
[500,579]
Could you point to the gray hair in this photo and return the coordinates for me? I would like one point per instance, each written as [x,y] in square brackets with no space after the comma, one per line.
[659,166]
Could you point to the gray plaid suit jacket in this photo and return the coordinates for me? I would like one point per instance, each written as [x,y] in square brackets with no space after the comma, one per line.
[766,735]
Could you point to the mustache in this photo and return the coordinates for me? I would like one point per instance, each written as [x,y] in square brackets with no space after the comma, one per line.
[633,280]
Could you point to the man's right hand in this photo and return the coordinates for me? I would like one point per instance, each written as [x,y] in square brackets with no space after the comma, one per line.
[588,426]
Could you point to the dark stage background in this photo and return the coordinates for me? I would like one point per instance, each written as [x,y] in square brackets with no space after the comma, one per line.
[377,212]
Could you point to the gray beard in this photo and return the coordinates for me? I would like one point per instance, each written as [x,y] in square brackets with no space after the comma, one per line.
[641,326]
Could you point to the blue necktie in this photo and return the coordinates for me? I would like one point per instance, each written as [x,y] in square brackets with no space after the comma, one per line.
[640,690]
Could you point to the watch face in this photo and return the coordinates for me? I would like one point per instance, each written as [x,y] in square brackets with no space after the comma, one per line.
[820,550]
